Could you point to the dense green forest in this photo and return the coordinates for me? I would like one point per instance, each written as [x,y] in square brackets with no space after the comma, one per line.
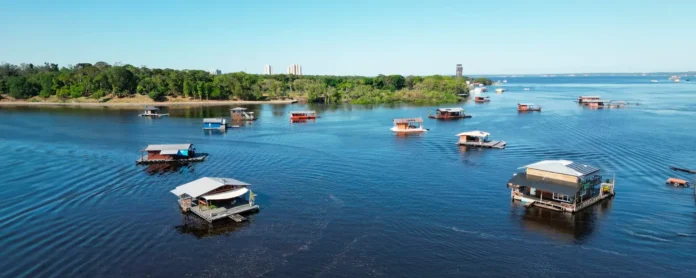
[103,81]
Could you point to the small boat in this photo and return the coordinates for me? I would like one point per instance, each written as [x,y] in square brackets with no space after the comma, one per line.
[449,114]
[477,91]
[482,99]
[240,114]
[654,81]
[214,123]
[526,89]
[152,112]
[408,125]
[499,90]
[302,115]
[528,107]
[505,81]
[677,182]
[682,169]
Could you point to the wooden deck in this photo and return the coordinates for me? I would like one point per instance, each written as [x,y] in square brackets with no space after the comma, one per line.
[532,201]
[491,144]
[152,161]
[220,213]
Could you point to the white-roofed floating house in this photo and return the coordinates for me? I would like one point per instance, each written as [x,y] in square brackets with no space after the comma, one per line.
[214,124]
[168,153]
[216,198]
[449,114]
[151,111]
[560,185]
[479,139]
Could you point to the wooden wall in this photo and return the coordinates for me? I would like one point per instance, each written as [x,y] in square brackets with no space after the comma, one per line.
[156,155]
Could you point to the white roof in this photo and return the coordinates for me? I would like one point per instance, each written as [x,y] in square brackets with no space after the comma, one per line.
[475,133]
[169,152]
[163,147]
[565,167]
[456,109]
[214,120]
[238,108]
[303,112]
[227,195]
[204,185]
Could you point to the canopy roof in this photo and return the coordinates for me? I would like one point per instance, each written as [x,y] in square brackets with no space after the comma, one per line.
[238,109]
[408,120]
[214,120]
[227,195]
[204,185]
[565,167]
[555,186]
[526,104]
[303,112]
[475,133]
[149,108]
[596,100]
[175,147]
[455,109]
[589,96]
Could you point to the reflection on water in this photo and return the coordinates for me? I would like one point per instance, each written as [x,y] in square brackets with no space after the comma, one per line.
[577,227]
[199,228]
[164,168]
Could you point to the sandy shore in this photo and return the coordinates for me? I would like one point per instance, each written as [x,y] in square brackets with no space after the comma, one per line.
[140,104]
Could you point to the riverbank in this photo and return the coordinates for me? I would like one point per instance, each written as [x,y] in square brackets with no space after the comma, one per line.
[133,102]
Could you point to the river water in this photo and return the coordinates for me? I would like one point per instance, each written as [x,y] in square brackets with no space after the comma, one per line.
[344,197]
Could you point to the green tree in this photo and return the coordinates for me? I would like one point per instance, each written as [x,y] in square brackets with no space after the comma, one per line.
[123,82]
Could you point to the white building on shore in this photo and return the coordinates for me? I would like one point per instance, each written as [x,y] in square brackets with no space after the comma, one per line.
[267,69]
[295,69]
[215,72]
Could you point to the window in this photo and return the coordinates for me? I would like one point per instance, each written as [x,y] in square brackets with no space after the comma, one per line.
[561,197]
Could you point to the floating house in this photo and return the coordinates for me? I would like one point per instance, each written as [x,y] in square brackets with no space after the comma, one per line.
[479,139]
[560,185]
[152,112]
[216,198]
[169,153]
[214,123]
[240,114]
[449,114]
[582,99]
[408,125]
[677,182]
[482,99]
[596,103]
[528,107]
[302,115]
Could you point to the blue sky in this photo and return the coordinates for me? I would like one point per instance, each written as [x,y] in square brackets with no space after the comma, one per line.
[356,37]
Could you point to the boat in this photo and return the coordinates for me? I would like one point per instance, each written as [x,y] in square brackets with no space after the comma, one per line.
[214,123]
[302,115]
[677,182]
[449,114]
[478,139]
[408,125]
[240,114]
[499,90]
[526,89]
[152,112]
[582,99]
[482,99]
[168,153]
[216,198]
[596,103]
[505,81]
[528,107]
[682,169]
[560,185]
[654,81]
[477,91]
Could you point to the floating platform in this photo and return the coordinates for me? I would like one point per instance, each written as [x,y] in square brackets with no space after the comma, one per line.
[490,144]
[220,213]
[185,160]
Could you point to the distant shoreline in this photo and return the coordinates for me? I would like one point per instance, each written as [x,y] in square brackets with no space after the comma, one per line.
[142,104]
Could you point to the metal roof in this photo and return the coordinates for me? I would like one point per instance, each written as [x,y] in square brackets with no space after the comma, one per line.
[561,187]
[168,147]
[595,100]
[456,109]
[303,112]
[214,120]
[475,133]
[147,108]
[408,120]
[589,96]
[563,167]
[204,185]
[526,104]
[238,109]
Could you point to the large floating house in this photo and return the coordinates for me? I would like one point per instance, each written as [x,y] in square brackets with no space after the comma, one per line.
[169,153]
[216,198]
[449,114]
[560,185]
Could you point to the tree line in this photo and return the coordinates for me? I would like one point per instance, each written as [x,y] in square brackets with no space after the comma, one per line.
[103,81]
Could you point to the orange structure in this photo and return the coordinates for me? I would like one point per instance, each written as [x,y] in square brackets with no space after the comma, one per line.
[582,99]
[408,125]
[482,99]
[527,107]
[677,182]
[302,115]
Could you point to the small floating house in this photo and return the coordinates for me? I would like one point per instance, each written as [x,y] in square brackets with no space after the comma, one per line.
[449,114]
[152,112]
[582,99]
[479,139]
[214,123]
[169,153]
[216,198]
[240,114]
[482,99]
[302,115]
[560,185]
[528,107]
[408,125]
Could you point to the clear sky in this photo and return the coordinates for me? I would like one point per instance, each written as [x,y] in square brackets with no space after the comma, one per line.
[356,37]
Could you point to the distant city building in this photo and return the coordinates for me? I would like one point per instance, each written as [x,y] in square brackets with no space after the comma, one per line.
[267,69]
[295,69]
[459,70]
[215,72]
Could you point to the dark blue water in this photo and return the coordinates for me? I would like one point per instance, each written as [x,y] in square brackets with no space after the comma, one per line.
[344,197]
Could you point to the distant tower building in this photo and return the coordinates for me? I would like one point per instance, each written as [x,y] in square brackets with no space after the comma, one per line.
[215,72]
[267,69]
[459,70]
[295,69]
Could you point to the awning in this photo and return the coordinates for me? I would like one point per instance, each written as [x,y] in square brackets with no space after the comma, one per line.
[227,195]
